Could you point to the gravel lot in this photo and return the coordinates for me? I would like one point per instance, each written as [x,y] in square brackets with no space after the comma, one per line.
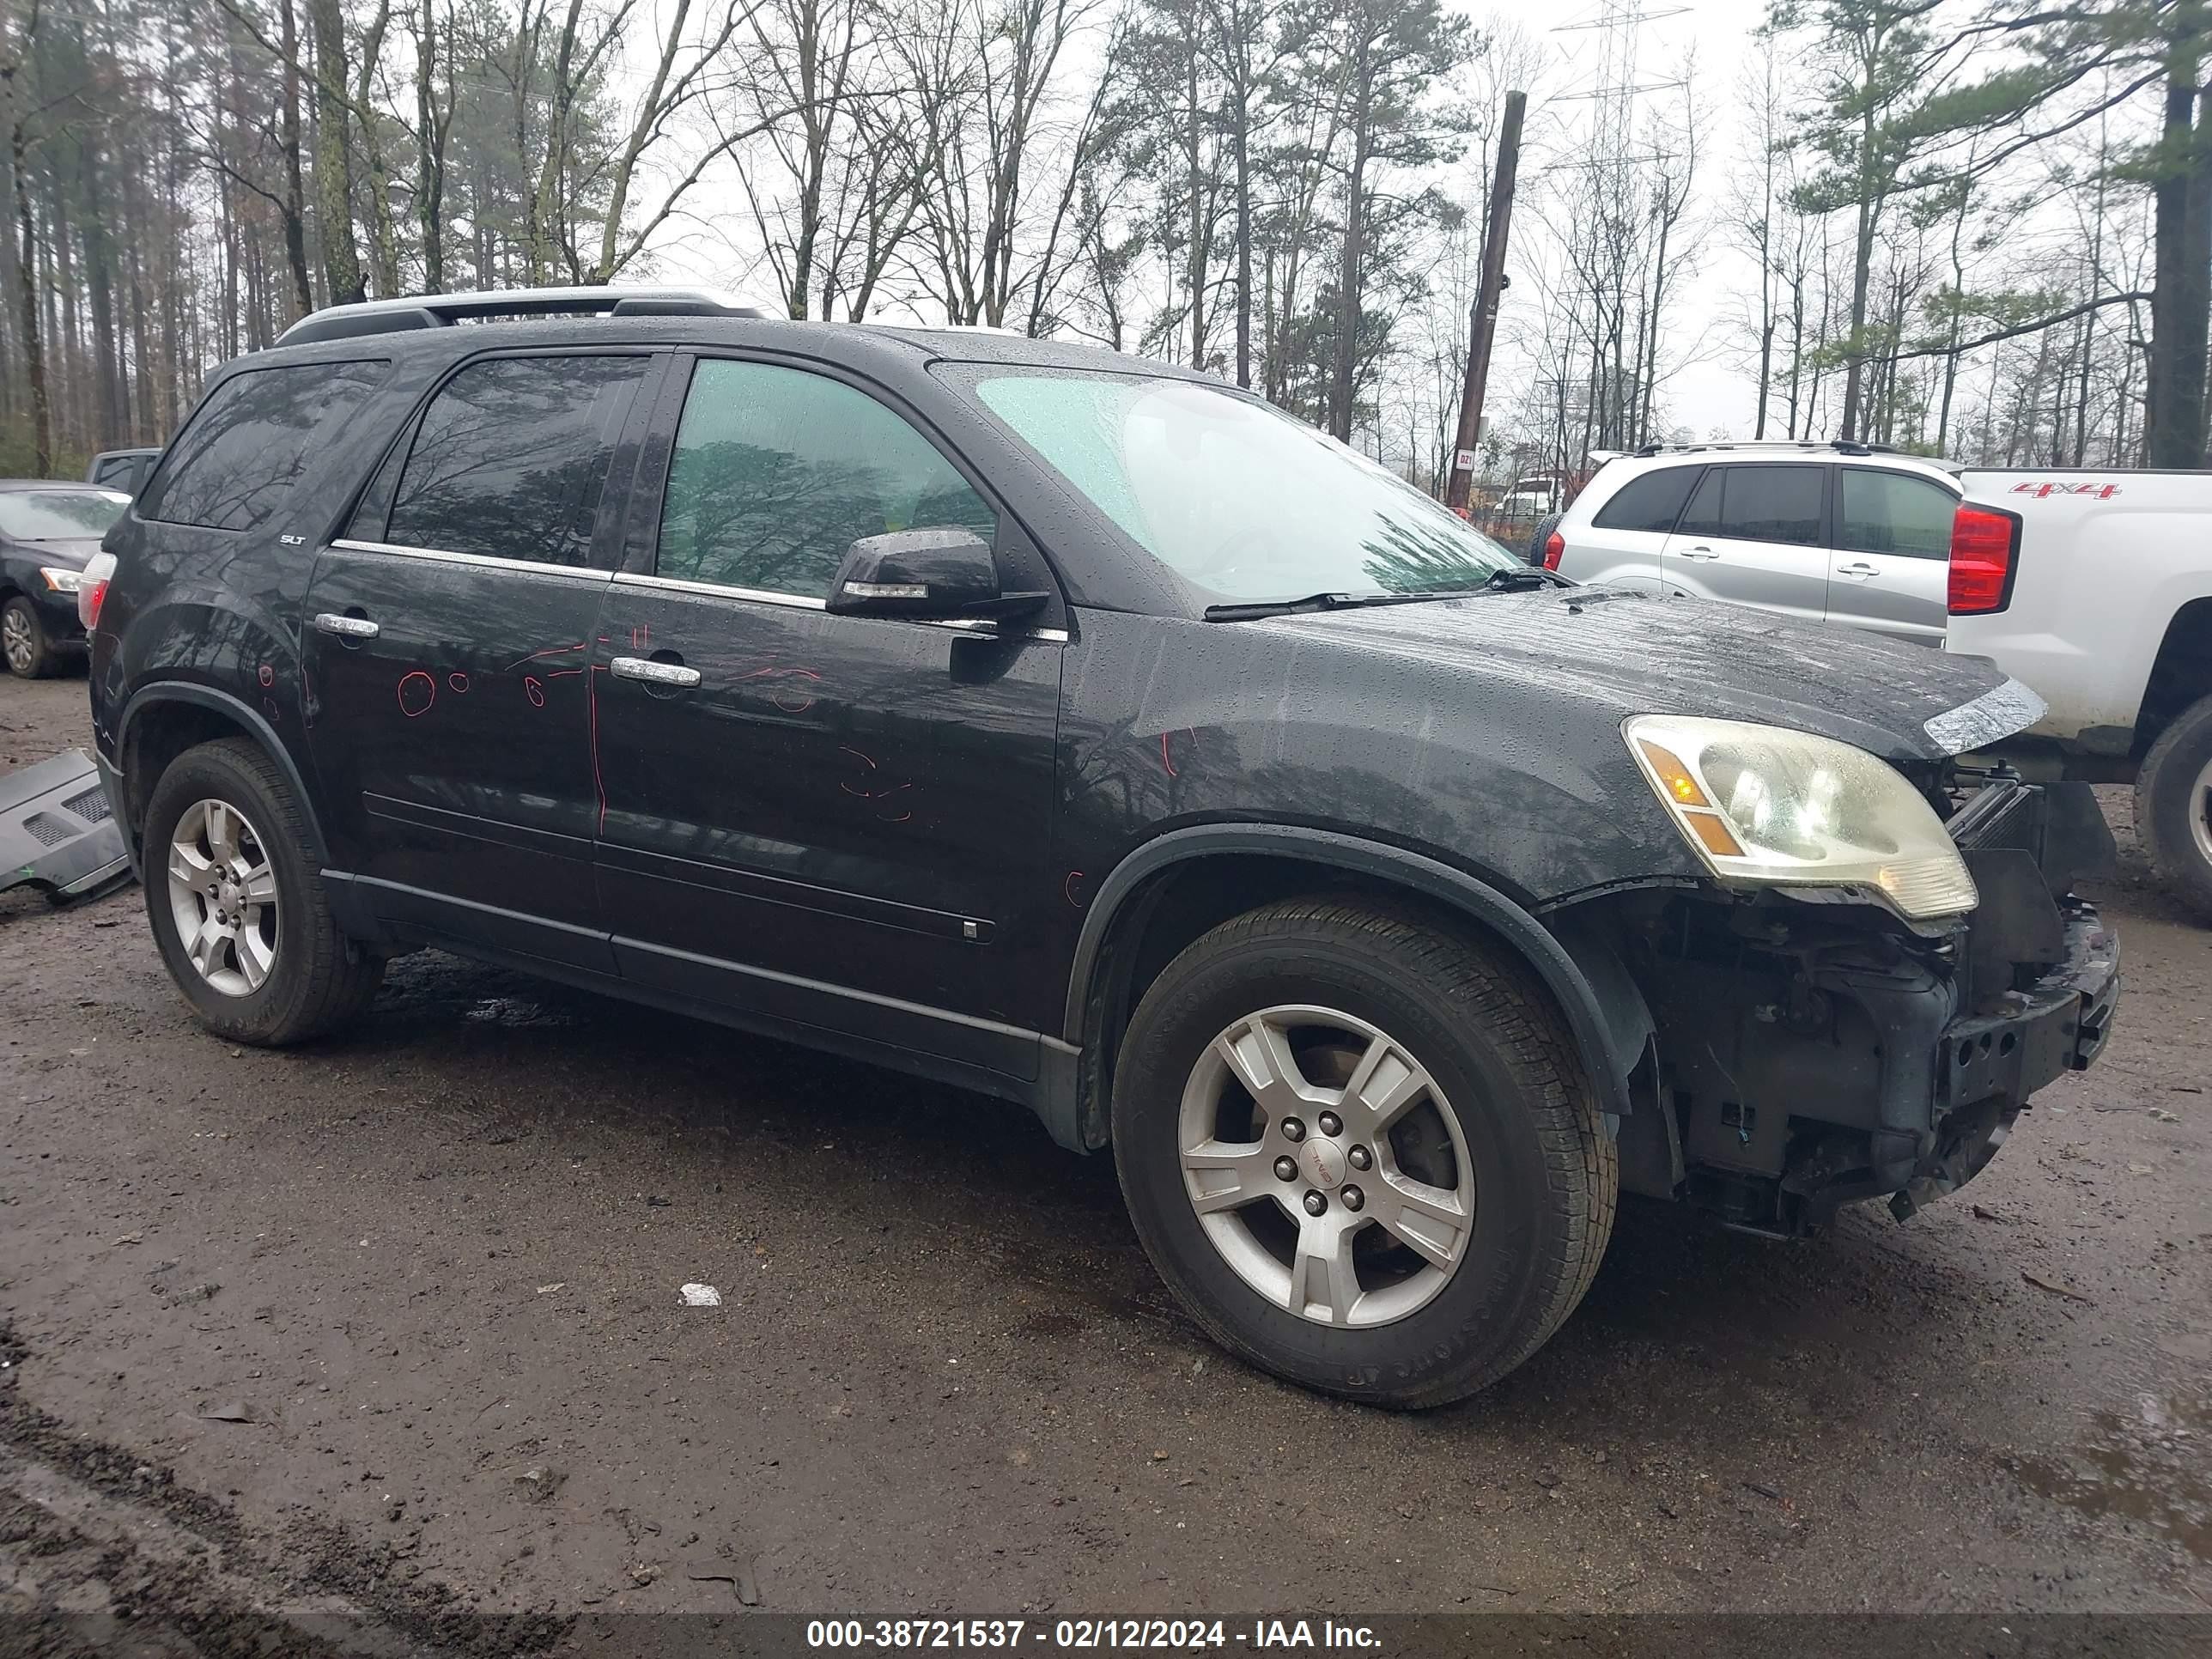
[391,1327]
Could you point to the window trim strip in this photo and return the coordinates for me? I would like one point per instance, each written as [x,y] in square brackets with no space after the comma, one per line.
[984,626]
[723,590]
[582,572]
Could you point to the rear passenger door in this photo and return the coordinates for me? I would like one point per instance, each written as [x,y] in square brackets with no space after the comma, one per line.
[1754,532]
[450,632]
[1626,537]
[1890,570]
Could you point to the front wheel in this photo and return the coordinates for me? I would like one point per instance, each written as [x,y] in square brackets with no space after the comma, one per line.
[23,642]
[2174,805]
[1361,1150]
[238,906]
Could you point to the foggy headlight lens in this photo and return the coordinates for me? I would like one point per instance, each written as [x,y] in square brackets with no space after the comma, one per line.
[62,581]
[1764,804]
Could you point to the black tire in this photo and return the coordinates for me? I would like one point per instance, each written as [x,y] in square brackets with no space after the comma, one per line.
[30,654]
[1540,534]
[2169,805]
[318,980]
[1545,1172]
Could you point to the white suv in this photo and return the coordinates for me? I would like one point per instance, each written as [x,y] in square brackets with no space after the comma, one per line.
[1824,532]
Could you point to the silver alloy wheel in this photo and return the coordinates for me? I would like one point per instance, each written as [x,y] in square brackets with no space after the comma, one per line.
[223,892]
[2200,812]
[1289,1136]
[15,639]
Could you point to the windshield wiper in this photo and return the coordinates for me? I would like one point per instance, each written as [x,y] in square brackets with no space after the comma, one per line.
[1515,576]
[1257,608]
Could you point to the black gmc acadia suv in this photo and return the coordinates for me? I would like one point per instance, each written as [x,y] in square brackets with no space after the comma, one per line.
[1082,731]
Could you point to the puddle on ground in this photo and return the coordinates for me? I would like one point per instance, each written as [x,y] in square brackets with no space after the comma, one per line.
[2151,1465]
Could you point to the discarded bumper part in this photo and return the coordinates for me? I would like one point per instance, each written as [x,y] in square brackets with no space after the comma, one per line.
[58,832]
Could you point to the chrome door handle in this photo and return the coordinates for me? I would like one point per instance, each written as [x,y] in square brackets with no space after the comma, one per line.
[652,673]
[1857,572]
[347,627]
[1700,553]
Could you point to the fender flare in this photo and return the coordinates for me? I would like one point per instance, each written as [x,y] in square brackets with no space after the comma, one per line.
[257,727]
[1561,973]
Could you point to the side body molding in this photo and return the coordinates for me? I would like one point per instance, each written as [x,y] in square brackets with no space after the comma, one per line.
[1594,1032]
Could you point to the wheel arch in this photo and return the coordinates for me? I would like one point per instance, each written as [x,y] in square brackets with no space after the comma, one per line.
[2180,675]
[162,720]
[1174,888]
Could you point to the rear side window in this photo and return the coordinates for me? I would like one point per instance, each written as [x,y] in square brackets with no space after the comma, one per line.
[778,471]
[511,460]
[1652,502]
[252,439]
[1757,504]
[1890,513]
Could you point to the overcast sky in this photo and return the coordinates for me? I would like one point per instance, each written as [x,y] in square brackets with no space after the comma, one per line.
[1708,392]
[1703,395]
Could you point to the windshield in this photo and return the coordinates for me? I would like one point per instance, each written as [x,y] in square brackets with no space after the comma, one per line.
[59,515]
[1239,498]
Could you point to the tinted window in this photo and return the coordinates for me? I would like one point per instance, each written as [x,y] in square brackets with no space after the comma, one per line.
[1653,501]
[511,460]
[1889,513]
[235,464]
[375,505]
[777,471]
[1702,517]
[1757,504]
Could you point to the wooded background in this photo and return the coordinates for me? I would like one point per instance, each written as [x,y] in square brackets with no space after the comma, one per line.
[1983,229]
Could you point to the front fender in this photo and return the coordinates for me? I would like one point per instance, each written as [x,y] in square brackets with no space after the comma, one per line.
[1601,1033]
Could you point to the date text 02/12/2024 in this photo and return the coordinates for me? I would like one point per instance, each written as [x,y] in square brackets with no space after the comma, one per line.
[1086,1634]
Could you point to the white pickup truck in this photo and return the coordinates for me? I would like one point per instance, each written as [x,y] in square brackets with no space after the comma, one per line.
[2095,589]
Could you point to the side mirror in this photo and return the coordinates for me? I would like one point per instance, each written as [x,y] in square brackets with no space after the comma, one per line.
[927,575]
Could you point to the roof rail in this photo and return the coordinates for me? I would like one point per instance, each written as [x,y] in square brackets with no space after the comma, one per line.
[1841,446]
[442,310]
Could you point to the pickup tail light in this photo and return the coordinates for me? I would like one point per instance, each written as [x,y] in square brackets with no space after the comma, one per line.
[1984,547]
[93,590]
[1555,547]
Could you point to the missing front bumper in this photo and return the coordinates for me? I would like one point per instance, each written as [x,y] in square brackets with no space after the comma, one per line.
[1996,1062]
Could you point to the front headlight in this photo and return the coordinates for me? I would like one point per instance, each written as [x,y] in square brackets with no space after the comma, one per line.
[1768,806]
[62,581]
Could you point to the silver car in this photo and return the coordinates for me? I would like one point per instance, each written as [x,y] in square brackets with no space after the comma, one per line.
[1827,533]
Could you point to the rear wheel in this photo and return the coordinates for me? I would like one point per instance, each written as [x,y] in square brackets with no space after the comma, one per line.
[23,643]
[2174,805]
[237,907]
[1362,1152]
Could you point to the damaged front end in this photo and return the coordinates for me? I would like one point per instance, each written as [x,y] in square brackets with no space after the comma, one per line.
[1809,1047]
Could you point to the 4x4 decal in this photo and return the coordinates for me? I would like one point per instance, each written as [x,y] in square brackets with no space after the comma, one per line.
[2102,491]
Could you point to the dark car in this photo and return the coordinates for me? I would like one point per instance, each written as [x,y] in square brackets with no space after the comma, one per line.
[122,469]
[47,533]
[1084,732]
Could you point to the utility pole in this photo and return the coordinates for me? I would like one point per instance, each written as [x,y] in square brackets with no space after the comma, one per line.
[1483,323]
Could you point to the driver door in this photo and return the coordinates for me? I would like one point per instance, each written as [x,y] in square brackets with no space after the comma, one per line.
[832,820]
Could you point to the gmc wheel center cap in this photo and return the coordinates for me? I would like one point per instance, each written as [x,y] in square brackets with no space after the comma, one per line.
[1323,1162]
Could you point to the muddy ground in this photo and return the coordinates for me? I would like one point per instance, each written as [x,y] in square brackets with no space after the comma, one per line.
[391,1328]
